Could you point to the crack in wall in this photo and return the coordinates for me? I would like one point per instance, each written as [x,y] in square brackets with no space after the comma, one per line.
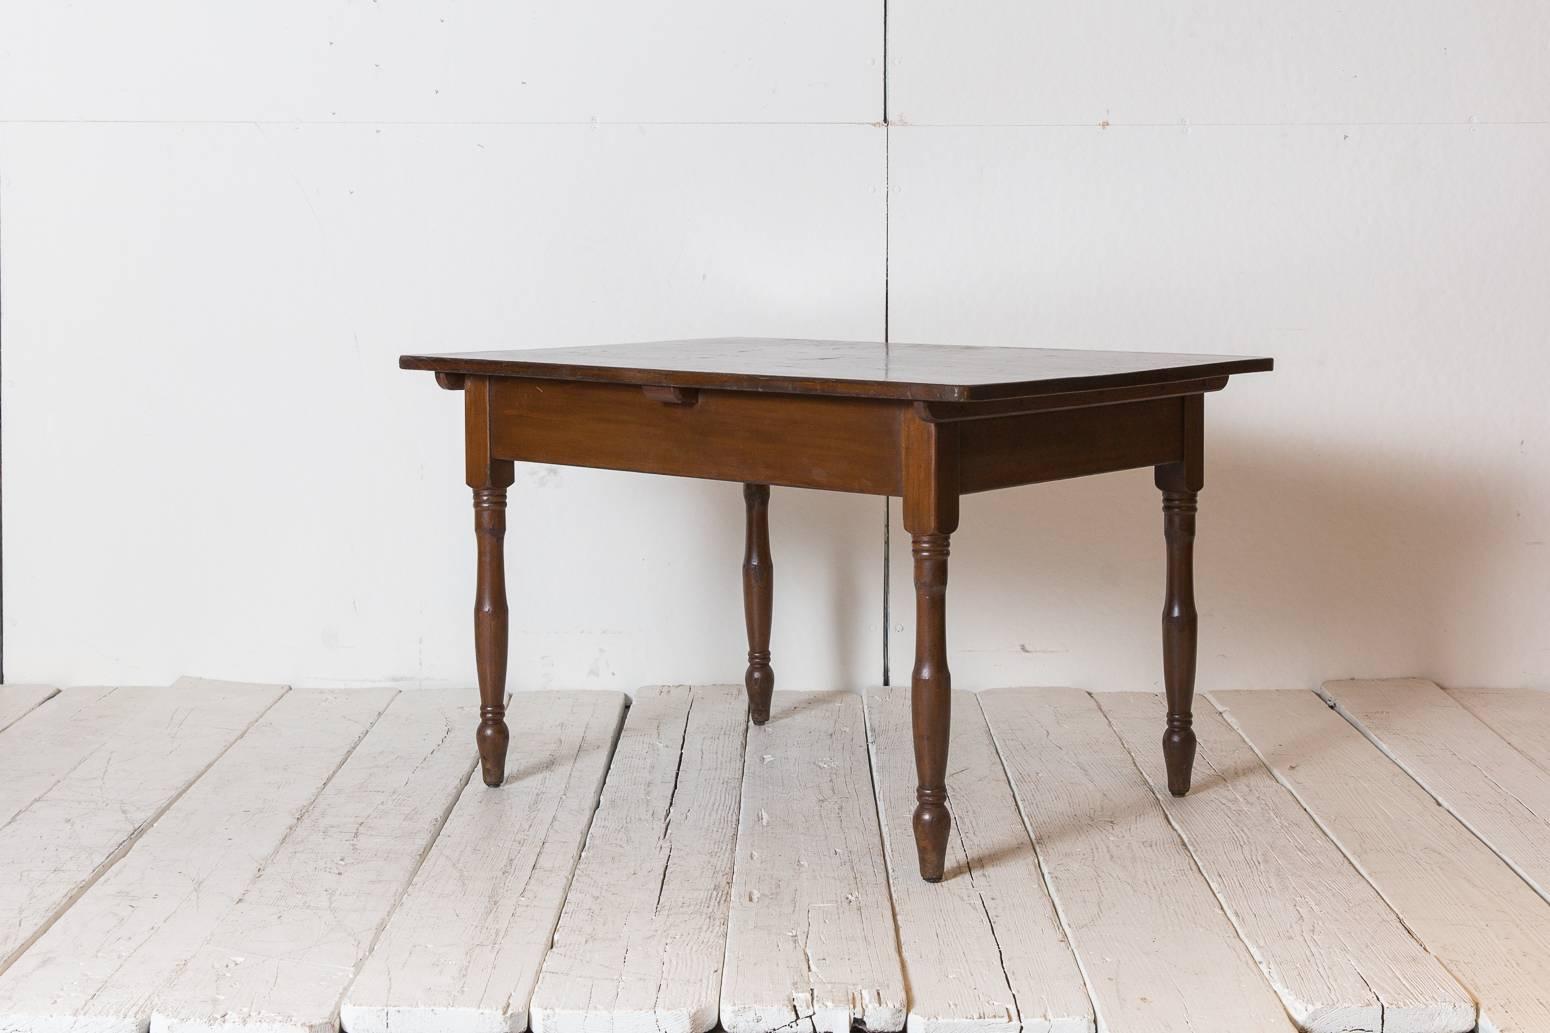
[887,311]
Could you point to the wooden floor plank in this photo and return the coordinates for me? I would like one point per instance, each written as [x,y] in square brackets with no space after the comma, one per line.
[280,960]
[1466,906]
[17,701]
[1158,953]
[811,942]
[37,752]
[1337,956]
[463,949]
[642,939]
[1520,716]
[1498,793]
[148,747]
[102,964]
[983,950]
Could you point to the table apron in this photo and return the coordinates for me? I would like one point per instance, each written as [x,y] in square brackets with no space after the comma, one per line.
[837,444]
[1049,446]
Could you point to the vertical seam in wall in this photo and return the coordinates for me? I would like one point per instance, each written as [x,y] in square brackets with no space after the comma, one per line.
[2,444]
[887,240]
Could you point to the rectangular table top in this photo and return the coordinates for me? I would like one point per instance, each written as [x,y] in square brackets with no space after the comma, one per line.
[915,372]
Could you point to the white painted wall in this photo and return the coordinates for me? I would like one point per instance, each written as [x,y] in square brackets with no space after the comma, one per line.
[219,226]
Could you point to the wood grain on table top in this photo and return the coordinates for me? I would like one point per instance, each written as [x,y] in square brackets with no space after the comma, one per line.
[916,372]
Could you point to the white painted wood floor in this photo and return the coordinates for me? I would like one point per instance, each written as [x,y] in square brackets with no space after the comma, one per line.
[213,856]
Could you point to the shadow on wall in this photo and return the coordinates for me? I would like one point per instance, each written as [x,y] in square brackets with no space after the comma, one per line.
[820,566]
[1310,564]
[619,580]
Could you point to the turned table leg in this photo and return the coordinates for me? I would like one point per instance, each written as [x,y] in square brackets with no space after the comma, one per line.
[931,516]
[758,598]
[1180,484]
[491,628]
[1179,637]
[931,703]
[489,478]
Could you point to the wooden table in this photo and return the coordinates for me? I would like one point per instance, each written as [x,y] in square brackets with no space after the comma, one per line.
[927,423]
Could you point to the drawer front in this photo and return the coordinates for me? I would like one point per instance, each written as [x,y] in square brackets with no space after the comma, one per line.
[839,444]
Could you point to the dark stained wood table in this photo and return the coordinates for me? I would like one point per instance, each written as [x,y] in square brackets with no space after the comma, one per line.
[925,422]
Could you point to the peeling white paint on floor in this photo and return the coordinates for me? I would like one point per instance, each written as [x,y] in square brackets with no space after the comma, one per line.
[327,855]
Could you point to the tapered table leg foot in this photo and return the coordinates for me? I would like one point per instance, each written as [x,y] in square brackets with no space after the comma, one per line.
[1179,757]
[932,823]
[760,683]
[493,738]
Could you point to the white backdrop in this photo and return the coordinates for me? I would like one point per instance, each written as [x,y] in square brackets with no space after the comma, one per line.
[219,226]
